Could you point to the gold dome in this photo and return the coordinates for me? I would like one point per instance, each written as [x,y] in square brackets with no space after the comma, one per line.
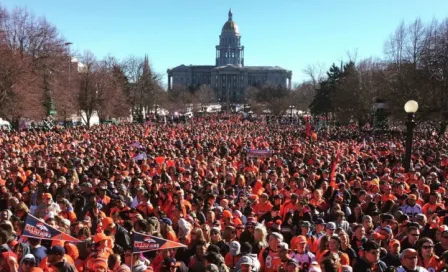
[230,26]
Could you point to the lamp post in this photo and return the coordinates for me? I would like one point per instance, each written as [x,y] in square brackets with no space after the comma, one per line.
[410,108]
[67,44]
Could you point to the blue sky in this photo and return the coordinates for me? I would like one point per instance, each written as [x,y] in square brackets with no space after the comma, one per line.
[289,33]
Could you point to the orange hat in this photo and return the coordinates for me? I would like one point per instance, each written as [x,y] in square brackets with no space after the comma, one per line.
[100,237]
[107,221]
[412,196]
[393,242]
[227,214]
[47,196]
[36,269]
[301,239]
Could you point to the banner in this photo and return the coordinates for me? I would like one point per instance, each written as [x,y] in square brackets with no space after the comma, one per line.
[34,228]
[140,157]
[143,243]
[259,153]
[136,145]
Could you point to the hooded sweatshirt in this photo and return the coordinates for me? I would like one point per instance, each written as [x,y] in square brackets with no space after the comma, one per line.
[28,256]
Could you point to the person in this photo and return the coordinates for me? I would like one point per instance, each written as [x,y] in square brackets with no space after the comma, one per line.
[56,258]
[234,254]
[27,262]
[246,250]
[411,239]
[442,246]
[427,258]
[283,253]
[371,260]
[246,264]
[122,238]
[409,260]
[46,206]
[392,257]
[293,266]
[302,255]
[197,261]
[411,208]
[268,257]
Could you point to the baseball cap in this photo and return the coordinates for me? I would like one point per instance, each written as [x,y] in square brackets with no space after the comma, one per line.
[246,260]
[331,226]
[306,224]
[56,250]
[100,237]
[319,221]
[283,246]
[301,239]
[394,242]
[293,262]
[235,248]
[166,221]
[47,196]
[107,221]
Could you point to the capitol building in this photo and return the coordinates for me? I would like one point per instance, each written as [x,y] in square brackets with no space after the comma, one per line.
[229,77]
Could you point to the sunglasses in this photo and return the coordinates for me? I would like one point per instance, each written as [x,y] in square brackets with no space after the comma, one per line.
[428,247]
[28,262]
[415,234]
[214,233]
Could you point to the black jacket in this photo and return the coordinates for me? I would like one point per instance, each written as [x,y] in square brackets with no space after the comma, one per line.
[122,238]
[364,266]
[391,260]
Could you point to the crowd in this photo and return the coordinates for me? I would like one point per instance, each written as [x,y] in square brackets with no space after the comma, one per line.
[339,201]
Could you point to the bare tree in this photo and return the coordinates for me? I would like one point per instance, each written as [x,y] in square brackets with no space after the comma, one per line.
[204,95]
[316,73]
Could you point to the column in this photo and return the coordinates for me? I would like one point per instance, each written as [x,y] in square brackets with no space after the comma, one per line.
[169,82]
[289,83]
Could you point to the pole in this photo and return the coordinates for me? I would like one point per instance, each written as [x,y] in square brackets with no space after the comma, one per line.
[410,124]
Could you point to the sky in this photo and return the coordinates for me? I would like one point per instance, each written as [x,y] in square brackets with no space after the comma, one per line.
[288,33]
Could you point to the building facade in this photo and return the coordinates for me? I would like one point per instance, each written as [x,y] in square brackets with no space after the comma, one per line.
[229,77]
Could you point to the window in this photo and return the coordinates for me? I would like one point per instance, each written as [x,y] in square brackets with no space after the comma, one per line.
[223,85]
[182,78]
[242,77]
[234,77]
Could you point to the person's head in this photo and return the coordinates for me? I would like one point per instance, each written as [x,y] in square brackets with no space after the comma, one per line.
[345,239]
[55,254]
[274,239]
[169,264]
[411,200]
[27,262]
[301,244]
[394,246]
[329,265]
[330,228]
[305,227]
[426,247]
[246,248]
[292,266]
[215,235]
[335,244]
[414,234]
[371,251]
[114,261]
[246,264]
[201,248]
[260,233]
[320,225]
[47,198]
[282,250]
[409,258]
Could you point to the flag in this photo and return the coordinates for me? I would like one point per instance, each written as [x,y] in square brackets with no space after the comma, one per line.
[140,157]
[34,228]
[136,145]
[259,153]
[144,243]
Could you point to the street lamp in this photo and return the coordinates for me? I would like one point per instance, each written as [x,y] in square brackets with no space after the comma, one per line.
[410,108]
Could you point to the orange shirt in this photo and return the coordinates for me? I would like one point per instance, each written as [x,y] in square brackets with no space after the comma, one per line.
[433,264]
[272,261]
[260,209]
[287,207]
[69,215]
[386,197]
[431,208]
[230,260]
